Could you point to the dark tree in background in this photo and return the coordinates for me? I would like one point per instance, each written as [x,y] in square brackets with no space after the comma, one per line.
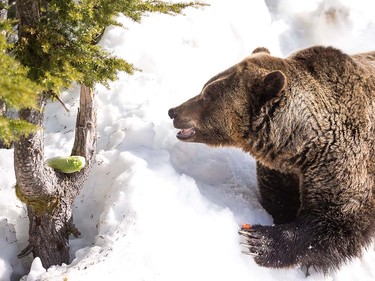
[54,46]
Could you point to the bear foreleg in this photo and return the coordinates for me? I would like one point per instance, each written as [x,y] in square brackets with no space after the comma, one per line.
[279,194]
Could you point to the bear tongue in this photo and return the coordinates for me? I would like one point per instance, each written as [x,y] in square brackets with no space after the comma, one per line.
[185,133]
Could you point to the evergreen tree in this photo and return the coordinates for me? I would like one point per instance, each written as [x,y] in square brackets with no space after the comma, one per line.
[55,46]
[16,90]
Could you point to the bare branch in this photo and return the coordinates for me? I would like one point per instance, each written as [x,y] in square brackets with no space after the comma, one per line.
[85,138]
[61,102]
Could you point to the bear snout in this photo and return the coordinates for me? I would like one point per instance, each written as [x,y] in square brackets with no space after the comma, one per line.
[172,113]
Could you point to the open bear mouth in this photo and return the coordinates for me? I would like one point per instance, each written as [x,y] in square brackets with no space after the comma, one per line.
[186,133]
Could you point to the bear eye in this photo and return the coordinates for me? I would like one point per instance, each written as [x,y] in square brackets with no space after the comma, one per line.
[212,91]
[207,95]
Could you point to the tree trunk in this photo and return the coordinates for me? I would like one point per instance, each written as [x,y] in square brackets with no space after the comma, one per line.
[28,13]
[49,194]
[3,16]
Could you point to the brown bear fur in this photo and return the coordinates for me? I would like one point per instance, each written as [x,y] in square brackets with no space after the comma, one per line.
[309,121]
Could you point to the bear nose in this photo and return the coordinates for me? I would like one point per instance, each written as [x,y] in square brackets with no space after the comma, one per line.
[172,113]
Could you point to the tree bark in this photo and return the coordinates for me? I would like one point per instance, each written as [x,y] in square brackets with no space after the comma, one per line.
[50,194]
[28,13]
[3,16]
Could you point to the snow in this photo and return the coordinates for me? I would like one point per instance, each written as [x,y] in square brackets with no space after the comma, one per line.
[36,270]
[155,208]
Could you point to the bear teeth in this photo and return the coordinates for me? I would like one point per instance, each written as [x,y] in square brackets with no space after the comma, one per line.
[186,133]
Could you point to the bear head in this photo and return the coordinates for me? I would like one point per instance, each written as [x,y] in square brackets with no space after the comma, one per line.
[226,110]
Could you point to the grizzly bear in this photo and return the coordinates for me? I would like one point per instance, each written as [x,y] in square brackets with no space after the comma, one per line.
[309,122]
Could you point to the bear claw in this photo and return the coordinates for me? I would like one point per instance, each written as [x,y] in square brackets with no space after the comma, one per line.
[248,234]
[255,242]
[250,253]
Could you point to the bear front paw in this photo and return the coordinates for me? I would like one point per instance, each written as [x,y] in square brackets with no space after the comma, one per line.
[268,245]
[257,242]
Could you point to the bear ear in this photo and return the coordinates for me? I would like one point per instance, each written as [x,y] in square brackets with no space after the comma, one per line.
[261,50]
[273,84]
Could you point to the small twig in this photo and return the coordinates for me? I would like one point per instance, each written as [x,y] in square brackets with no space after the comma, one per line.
[25,252]
[72,229]
[60,100]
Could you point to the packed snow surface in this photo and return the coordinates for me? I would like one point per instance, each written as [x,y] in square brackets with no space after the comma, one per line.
[155,208]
